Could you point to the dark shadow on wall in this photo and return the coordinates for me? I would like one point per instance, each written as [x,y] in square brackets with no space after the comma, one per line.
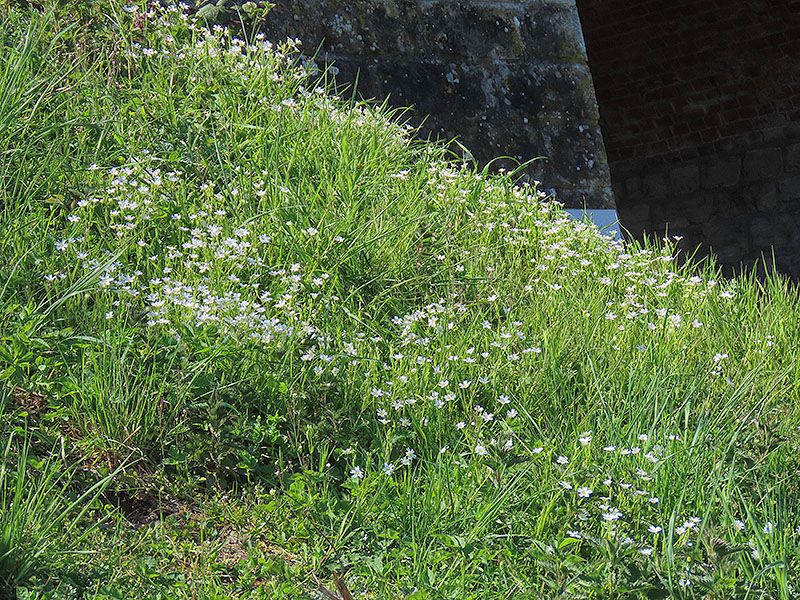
[700,112]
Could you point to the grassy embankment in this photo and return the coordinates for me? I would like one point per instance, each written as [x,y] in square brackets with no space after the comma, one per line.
[253,338]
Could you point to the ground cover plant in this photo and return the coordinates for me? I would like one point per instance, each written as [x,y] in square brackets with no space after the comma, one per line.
[257,342]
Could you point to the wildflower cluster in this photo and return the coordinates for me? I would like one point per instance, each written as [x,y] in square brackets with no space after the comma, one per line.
[429,319]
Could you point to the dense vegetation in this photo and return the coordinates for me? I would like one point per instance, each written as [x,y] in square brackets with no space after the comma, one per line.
[256,342]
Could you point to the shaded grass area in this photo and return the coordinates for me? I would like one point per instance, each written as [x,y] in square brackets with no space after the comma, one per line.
[255,341]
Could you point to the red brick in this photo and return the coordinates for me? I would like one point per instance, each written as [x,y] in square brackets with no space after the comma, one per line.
[680,129]
[746,112]
[712,120]
[747,100]
[729,104]
[709,136]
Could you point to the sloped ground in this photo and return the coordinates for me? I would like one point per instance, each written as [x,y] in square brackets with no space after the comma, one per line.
[257,342]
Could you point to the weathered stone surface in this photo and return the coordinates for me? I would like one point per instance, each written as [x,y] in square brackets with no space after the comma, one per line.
[775,229]
[632,188]
[654,185]
[685,179]
[793,158]
[789,190]
[636,218]
[696,208]
[763,163]
[523,31]
[763,229]
[763,196]
[504,78]
[720,172]
[729,238]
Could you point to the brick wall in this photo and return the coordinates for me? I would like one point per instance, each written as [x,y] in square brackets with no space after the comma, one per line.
[700,112]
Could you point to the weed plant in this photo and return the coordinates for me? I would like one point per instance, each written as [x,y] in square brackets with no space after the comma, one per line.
[347,360]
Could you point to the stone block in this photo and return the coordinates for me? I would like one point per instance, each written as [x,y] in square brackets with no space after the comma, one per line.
[696,208]
[471,32]
[635,218]
[789,189]
[780,230]
[762,230]
[654,185]
[764,163]
[355,28]
[729,238]
[759,196]
[633,187]
[540,31]
[661,211]
[793,158]
[720,172]
[685,179]
[678,225]
[765,196]
[731,255]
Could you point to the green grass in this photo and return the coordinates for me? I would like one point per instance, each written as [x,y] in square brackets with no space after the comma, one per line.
[255,340]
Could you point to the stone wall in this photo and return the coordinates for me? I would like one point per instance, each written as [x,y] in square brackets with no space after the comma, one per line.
[506,77]
[700,111]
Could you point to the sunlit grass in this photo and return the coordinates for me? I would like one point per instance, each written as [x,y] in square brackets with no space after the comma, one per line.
[339,352]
